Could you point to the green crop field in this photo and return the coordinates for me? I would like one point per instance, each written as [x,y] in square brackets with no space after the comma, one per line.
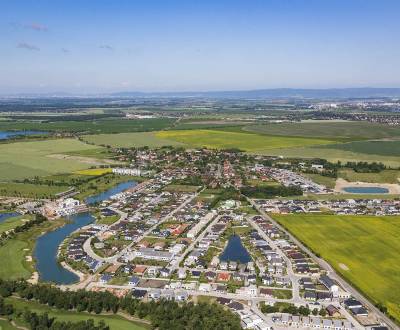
[363,249]
[382,148]
[38,158]
[129,140]
[115,322]
[332,155]
[91,126]
[29,190]
[220,139]
[329,130]
[386,176]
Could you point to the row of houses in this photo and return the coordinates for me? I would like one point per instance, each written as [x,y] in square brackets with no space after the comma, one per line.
[312,322]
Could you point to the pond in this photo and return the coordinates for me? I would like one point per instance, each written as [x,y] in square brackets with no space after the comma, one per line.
[235,251]
[366,190]
[46,249]
[5,216]
[4,135]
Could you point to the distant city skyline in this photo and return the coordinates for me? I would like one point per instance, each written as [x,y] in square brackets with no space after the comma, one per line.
[154,46]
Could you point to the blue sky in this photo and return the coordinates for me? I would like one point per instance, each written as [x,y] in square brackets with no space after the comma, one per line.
[101,46]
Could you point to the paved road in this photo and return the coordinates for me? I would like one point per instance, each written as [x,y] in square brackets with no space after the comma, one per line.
[332,273]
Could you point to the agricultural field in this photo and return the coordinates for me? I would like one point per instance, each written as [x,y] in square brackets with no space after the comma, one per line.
[30,190]
[115,322]
[94,171]
[129,140]
[221,139]
[346,130]
[21,160]
[382,148]
[385,176]
[95,126]
[363,249]
[332,155]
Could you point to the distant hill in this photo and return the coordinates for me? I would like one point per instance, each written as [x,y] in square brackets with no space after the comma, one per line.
[334,93]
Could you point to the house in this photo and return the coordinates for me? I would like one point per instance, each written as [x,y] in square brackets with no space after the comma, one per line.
[165,272]
[105,278]
[329,284]
[223,277]
[223,301]
[267,280]
[139,293]
[139,270]
[195,273]
[236,306]
[333,311]
[134,281]
[159,245]
[154,294]
[252,278]
[210,276]
[181,295]
[223,265]
[152,272]
[181,273]
[204,287]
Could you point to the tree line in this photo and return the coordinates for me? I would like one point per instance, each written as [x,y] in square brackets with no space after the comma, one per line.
[163,314]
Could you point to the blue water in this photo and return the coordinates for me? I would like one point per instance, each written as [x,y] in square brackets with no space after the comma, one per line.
[4,135]
[47,245]
[5,216]
[235,251]
[108,193]
[366,190]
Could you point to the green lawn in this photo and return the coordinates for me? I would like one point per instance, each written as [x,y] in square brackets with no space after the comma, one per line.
[364,249]
[15,250]
[220,139]
[13,222]
[115,322]
[38,158]
[5,325]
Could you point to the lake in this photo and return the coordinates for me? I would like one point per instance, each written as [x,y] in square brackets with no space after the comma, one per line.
[235,251]
[5,216]
[46,248]
[366,190]
[4,135]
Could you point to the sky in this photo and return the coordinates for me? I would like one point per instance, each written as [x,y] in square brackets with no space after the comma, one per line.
[98,46]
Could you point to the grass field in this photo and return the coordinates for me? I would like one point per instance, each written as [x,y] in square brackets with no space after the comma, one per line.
[13,222]
[363,249]
[320,179]
[329,130]
[181,188]
[16,249]
[129,140]
[386,176]
[117,125]
[332,155]
[220,139]
[382,148]
[27,159]
[29,190]
[115,322]
[5,325]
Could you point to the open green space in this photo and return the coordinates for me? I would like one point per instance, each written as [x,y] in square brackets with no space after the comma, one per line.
[220,139]
[117,125]
[14,222]
[5,325]
[181,188]
[130,140]
[382,147]
[30,190]
[346,130]
[115,322]
[385,176]
[363,249]
[320,179]
[16,250]
[38,158]
[332,155]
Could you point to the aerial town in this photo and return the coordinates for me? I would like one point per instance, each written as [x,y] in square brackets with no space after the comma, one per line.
[169,237]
